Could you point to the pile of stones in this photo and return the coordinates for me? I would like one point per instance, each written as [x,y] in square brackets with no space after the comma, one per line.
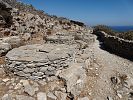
[8,43]
[60,38]
[123,84]
[70,38]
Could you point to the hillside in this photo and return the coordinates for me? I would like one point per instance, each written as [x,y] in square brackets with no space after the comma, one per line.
[44,57]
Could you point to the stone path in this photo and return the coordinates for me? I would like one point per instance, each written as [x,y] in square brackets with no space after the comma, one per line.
[111,66]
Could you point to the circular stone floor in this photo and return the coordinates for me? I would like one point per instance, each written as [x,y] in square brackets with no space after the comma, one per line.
[39,61]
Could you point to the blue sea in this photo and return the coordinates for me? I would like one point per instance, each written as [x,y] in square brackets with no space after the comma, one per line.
[122,28]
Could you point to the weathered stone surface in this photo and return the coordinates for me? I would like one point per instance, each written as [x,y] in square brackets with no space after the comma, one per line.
[43,69]
[6,97]
[51,96]
[123,86]
[75,77]
[84,98]
[14,41]
[22,97]
[41,96]
[5,79]
[61,95]
[18,86]
[38,53]
[26,36]
[29,70]
[28,88]
[2,72]
[4,47]
[20,73]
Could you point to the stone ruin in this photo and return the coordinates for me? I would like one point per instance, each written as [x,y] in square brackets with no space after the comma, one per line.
[60,38]
[70,38]
[39,61]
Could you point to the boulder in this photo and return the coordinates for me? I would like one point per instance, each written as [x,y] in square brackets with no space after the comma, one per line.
[60,95]
[41,96]
[75,77]
[6,97]
[28,88]
[26,36]
[4,48]
[14,41]
[51,96]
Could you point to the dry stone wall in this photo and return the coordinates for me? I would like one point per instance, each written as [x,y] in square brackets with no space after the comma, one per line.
[39,61]
[117,45]
[70,38]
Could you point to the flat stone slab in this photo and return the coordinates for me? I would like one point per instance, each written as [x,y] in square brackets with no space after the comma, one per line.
[40,53]
[38,61]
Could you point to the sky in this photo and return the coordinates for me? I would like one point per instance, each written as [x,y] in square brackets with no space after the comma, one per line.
[91,12]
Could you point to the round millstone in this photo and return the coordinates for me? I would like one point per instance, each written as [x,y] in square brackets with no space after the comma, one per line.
[36,61]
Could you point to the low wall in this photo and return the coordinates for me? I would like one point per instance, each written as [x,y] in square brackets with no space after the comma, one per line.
[117,45]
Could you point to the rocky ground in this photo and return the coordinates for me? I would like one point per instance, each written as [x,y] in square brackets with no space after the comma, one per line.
[114,78]
[103,76]
[45,59]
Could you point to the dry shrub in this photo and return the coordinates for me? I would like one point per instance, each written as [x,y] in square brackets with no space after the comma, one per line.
[2,61]
[49,32]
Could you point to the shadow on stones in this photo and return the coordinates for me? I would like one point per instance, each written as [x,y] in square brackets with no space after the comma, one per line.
[5,14]
[106,48]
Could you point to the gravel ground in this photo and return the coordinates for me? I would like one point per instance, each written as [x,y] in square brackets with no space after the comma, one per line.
[110,65]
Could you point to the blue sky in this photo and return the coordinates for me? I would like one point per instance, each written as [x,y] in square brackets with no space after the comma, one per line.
[92,12]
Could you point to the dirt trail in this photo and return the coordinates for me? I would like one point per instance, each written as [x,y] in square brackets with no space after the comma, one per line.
[111,65]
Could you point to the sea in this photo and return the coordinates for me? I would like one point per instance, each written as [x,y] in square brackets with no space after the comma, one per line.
[122,28]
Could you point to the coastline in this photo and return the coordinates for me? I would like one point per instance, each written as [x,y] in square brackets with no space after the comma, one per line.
[122,28]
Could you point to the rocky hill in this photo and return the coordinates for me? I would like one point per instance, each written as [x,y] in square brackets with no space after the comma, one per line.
[45,57]
[33,27]
[46,49]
